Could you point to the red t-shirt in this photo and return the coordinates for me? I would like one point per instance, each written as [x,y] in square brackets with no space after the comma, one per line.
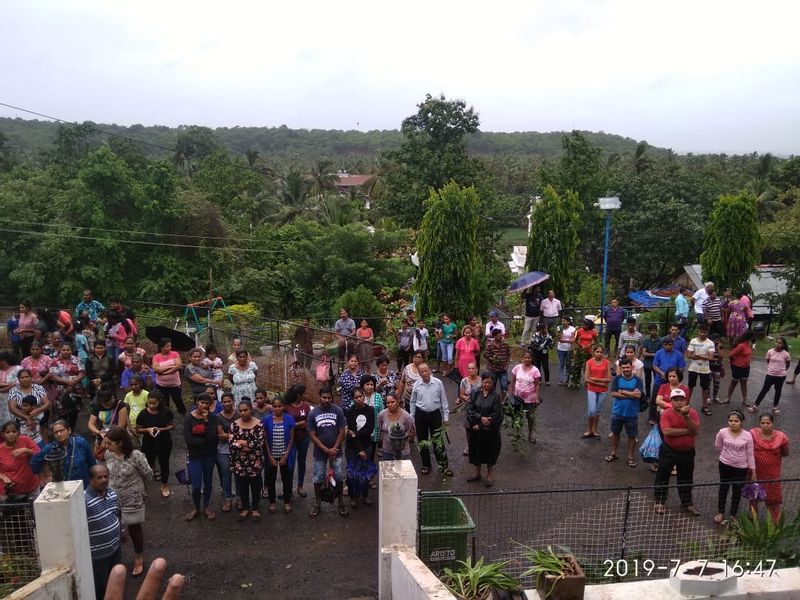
[673,420]
[664,390]
[741,355]
[585,337]
[597,370]
[18,468]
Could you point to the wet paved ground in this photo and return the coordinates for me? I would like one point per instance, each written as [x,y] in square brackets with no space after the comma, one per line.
[293,556]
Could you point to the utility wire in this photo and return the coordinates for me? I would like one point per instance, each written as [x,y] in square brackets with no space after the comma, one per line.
[133,232]
[140,242]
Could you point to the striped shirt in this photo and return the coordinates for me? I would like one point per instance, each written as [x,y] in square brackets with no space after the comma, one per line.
[278,446]
[712,309]
[102,516]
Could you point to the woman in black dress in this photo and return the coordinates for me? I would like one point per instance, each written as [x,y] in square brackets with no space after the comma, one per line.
[484,417]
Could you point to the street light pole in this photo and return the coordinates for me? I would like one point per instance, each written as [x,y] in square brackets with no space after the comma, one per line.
[606,205]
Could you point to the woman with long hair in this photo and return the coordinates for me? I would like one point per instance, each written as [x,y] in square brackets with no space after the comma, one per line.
[200,432]
[525,383]
[168,365]
[242,375]
[736,463]
[15,456]
[409,377]
[279,431]
[597,379]
[155,424]
[485,415]
[296,405]
[769,448]
[741,355]
[128,473]
[246,440]
[777,365]
[24,388]
[467,348]
[348,381]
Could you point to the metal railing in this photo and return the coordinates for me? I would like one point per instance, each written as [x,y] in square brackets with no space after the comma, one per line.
[19,556]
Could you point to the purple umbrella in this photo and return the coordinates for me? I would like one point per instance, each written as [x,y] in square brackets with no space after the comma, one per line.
[528,281]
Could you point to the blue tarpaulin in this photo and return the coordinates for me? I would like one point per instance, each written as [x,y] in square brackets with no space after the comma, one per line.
[648,299]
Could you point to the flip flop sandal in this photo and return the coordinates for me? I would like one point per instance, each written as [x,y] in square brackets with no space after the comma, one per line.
[660,509]
[209,514]
[611,458]
[586,436]
[691,510]
[314,511]
[301,492]
[631,463]
[448,472]
[192,515]
[138,569]
[256,517]
[287,508]
[242,516]
[343,512]
[707,410]
[226,506]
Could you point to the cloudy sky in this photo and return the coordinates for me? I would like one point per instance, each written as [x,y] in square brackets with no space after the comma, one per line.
[695,76]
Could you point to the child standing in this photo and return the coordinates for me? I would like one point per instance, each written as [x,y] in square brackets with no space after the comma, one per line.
[213,363]
[540,345]
[32,425]
[421,340]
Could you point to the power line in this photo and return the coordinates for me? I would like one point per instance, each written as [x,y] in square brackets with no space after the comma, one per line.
[139,242]
[133,232]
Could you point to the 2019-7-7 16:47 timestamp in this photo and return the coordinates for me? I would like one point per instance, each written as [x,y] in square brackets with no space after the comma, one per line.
[622,568]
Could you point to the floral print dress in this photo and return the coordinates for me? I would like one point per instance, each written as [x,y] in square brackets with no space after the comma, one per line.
[246,463]
[244,381]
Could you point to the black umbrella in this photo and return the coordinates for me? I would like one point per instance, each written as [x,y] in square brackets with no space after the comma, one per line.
[180,341]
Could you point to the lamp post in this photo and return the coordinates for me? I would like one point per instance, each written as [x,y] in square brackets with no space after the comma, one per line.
[397,438]
[606,205]
[55,459]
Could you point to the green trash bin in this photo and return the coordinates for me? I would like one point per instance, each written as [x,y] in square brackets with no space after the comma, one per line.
[444,532]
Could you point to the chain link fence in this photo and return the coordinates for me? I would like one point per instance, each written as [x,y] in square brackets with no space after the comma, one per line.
[615,533]
[19,557]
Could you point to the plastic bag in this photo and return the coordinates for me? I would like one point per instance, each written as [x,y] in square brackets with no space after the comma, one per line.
[651,446]
[753,492]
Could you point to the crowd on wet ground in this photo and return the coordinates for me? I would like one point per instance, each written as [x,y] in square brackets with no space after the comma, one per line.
[243,438]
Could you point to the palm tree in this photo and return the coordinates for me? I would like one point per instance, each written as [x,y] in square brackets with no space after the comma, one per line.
[640,160]
[252,156]
[323,179]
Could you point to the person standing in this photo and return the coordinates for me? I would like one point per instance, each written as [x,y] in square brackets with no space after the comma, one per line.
[699,298]
[246,443]
[498,355]
[533,300]
[777,365]
[103,519]
[201,435]
[741,355]
[597,379]
[626,389]
[650,345]
[344,328]
[484,417]
[26,328]
[360,427]
[298,408]
[769,448]
[128,471]
[678,341]
[365,337]
[447,335]
[681,311]
[551,310]
[493,323]
[540,346]
[566,336]
[281,453]
[167,365]
[467,350]
[326,427]
[736,463]
[680,426]
[700,351]
[155,424]
[431,414]
[712,311]
[630,337]
[613,316]
[526,381]
[304,342]
[405,343]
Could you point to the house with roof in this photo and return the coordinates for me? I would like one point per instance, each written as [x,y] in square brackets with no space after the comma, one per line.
[765,279]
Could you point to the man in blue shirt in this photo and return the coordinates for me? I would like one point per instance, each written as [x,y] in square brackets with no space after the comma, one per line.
[678,341]
[613,316]
[665,359]
[626,389]
[681,310]
[90,306]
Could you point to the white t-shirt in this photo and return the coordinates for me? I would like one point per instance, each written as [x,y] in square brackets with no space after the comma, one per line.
[550,308]
[566,334]
[489,326]
[699,297]
[706,348]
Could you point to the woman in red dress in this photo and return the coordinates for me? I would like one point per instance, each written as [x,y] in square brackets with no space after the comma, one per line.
[769,447]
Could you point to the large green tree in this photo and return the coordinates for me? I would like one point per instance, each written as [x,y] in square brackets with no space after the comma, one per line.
[732,245]
[433,153]
[553,241]
[449,278]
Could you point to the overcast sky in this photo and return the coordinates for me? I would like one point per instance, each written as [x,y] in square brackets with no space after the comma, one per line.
[695,76]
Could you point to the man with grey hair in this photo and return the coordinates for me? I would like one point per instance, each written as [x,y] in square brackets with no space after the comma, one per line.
[431,412]
[699,297]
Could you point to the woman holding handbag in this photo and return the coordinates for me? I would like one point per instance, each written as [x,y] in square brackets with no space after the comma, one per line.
[128,472]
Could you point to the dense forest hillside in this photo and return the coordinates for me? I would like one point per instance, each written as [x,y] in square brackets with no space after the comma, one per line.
[27,137]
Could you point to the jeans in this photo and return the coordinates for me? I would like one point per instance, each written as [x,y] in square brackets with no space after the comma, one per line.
[201,472]
[224,469]
[446,352]
[594,402]
[249,487]
[527,331]
[302,446]
[564,363]
[769,381]
[502,379]
[683,461]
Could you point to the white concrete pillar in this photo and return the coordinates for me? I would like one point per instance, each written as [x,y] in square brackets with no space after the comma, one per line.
[63,534]
[397,516]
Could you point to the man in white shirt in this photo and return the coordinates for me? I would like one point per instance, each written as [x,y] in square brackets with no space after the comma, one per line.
[494,323]
[431,413]
[699,352]
[699,297]
[551,309]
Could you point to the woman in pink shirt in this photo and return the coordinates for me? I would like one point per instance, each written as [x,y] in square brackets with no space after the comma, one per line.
[467,348]
[777,365]
[736,463]
[168,365]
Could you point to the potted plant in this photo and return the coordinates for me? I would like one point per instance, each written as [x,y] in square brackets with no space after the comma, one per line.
[558,575]
[479,581]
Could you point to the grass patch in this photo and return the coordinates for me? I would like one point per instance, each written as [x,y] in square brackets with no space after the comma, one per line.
[514,236]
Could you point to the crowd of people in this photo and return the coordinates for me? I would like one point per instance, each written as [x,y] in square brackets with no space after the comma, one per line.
[249,436]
